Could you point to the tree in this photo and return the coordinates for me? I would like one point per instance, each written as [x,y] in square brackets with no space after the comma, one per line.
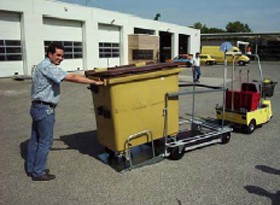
[237,26]
[197,25]
[215,30]
[157,16]
[202,28]
[205,29]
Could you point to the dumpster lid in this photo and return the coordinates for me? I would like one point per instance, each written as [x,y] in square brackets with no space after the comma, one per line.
[130,70]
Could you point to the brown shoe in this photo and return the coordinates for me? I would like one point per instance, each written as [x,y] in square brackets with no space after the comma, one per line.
[46,177]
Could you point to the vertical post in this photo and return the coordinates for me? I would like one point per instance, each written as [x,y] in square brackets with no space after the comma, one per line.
[224,85]
[261,76]
[193,104]
[165,112]
[232,81]
[174,44]
[240,78]
[225,69]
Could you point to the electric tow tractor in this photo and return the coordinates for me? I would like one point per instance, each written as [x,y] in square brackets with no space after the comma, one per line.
[249,106]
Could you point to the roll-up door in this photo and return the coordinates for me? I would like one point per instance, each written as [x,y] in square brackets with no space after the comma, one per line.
[69,33]
[109,45]
[11,58]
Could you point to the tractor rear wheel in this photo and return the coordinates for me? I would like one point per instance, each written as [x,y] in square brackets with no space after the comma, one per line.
[251,127]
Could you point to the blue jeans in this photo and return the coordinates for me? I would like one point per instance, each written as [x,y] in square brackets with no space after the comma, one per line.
[41,138]
[196,73]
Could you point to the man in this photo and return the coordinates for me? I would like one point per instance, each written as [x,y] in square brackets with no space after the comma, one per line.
[45,94]
[196,68]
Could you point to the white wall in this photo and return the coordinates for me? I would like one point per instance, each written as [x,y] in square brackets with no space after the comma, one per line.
[33,31]
[10,29]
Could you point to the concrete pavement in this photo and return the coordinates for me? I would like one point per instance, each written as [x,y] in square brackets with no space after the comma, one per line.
[244,171]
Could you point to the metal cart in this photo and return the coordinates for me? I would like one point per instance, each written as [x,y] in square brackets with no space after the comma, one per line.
[202,132]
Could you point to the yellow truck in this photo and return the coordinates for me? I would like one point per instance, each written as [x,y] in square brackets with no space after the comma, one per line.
[215,52]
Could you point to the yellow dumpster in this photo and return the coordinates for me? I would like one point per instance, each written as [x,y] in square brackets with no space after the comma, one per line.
[133,100]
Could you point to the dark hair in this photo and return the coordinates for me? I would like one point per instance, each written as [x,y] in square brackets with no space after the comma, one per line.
[51,48]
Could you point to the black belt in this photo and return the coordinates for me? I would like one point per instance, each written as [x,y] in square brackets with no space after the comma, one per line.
[43,103]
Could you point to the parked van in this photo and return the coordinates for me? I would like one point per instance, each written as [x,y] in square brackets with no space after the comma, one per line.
[215,52]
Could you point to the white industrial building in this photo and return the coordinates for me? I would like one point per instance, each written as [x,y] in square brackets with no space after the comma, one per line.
[92,37]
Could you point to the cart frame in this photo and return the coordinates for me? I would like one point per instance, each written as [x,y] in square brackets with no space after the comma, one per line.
[175,148]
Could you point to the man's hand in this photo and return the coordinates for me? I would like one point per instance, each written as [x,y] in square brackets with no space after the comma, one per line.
[72,77]
[99,83]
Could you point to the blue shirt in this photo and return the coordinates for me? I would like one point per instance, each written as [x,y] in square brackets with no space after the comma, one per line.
[46,82]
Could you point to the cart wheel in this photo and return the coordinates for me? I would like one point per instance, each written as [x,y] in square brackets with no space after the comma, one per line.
[251,127]
[225,138]
[175,154]
[241,63]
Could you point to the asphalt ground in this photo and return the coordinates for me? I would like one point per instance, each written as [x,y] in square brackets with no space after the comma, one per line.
[244,171]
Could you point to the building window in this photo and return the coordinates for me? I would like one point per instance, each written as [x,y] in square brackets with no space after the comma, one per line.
[142,54]
[144,31]
[109,50]
[10,50]
[72,49]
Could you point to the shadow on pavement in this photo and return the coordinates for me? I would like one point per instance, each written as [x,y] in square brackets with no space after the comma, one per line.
[23,152]
[274,197]
[23,149]
[84,142]
[268,169]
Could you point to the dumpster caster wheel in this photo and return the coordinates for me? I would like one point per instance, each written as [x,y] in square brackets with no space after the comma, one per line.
[225,138]
[175,153]
[251,127]
[126,163]
[110,152]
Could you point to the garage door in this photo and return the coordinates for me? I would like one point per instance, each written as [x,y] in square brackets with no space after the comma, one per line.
[11,60]
[109,45]
[69,33]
